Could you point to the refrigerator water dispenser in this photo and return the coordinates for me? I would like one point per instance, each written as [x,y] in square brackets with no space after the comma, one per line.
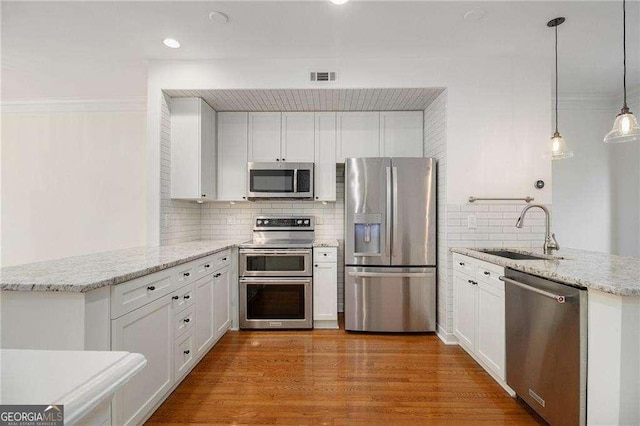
[366,234]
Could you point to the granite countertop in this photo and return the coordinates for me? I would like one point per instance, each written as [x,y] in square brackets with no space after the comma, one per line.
[325,243]
[608,273]
[79,380]
[91,271]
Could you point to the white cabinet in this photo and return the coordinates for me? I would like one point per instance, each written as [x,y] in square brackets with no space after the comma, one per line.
[325,287]
[193,149]
[147,330]
[265,136]
[298,137]
[222,301]
[358,135]
[205,332]
[232,156]
[325,156]
[401,134]
[479,313]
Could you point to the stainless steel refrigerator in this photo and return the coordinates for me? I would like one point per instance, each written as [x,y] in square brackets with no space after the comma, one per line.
[390,244]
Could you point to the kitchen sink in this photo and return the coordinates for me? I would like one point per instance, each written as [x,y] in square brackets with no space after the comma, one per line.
[517,255]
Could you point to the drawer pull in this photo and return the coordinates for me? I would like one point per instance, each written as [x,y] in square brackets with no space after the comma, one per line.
[207,265]
[316,265]
[187,352]
[187,296]
[487,273]
[176,297]
[186,274]
[187,320]
[217,275]
[224,259]
[461,263]
[324,254]
[472,282]
[151,288]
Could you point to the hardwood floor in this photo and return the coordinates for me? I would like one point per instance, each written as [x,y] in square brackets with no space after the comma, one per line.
[330,377]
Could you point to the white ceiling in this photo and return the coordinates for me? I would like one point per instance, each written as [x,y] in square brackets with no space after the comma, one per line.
[314,99]
[100,49]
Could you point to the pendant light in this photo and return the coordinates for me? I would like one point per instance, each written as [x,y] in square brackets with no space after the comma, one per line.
[625,128]
[559,148]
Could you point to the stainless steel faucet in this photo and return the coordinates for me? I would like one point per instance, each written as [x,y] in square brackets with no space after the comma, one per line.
[550,242]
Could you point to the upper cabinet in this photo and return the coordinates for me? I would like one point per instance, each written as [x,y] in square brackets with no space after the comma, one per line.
[325,156]
[287,136]
[265,130]
[232,156]
[358,135]
[401,134]
[298,137]
[193,149]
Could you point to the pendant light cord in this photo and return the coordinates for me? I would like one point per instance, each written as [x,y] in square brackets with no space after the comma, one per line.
[556,28]
[625,108]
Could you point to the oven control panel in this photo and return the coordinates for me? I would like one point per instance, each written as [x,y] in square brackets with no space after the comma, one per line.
[302,222]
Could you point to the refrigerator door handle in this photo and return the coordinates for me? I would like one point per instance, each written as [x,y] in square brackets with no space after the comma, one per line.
[388,219]
[389,274]
[394,177]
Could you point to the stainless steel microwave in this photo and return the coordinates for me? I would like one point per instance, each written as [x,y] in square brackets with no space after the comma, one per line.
[280,180]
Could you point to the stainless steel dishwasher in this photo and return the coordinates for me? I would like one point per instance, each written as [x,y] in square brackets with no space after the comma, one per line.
[546,333]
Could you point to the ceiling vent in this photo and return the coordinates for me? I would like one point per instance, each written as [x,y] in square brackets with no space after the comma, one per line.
[323,76]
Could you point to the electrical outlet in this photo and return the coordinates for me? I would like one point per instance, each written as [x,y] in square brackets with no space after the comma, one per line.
[231,220]
[167,220]
[319,220]
[472,222]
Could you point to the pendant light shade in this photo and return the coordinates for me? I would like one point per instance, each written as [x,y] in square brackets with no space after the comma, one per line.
[625,128]
[559,148]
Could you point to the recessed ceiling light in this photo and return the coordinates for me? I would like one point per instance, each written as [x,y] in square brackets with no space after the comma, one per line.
[169,42]
[474,15]
[219,17]
[339,1]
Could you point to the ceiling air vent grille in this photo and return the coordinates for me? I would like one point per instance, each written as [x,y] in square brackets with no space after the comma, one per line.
[323,76]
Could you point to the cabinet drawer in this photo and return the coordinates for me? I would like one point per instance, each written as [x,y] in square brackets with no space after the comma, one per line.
[204,266]
[183,321]
[184,354]
[325,254]
[133,294]
[185,273]
[490,274]
[182,298]
[464,264]
[221,260]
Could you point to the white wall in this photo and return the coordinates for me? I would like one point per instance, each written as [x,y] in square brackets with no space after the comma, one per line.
[73,179]
[498,112]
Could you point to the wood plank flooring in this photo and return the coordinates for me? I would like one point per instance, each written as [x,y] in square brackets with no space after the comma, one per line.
[330,377]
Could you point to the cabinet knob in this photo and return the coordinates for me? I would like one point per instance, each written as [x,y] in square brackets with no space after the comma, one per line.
[283,159]
[224,259]
[316,265]
[207,265]
[176,297]
[487,273]
[187,297]
[277,159]
[470,281]
[461,264]
[187,352]
[324,254]
[186,274]
[244,198]
[151,288]
[217,275]
[204,195]
[187,319]
[317,198]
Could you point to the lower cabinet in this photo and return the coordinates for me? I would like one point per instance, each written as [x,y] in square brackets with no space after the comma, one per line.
[147,330]
[325,287]
[173,332]
[479,313]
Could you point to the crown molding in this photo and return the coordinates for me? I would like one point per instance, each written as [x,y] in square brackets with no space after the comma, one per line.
[137,104]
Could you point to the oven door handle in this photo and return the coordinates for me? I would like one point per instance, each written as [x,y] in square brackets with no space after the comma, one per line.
[390,274]
[283,281]
[277,252]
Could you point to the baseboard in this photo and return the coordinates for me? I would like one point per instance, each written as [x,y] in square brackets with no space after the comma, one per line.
[447,338]
[326,324]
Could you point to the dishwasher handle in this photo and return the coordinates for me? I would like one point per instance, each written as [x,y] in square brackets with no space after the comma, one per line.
[558,298]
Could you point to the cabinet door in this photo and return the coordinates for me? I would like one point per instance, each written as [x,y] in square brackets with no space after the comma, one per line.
[149,331]
[464,300]
[401,134]
[185,148]
[298,134]
[358,135]
[490,342]
[264,136]
[208,163]
[205,322]
[325,156]
[232,156]
[325,291]
[222,301]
